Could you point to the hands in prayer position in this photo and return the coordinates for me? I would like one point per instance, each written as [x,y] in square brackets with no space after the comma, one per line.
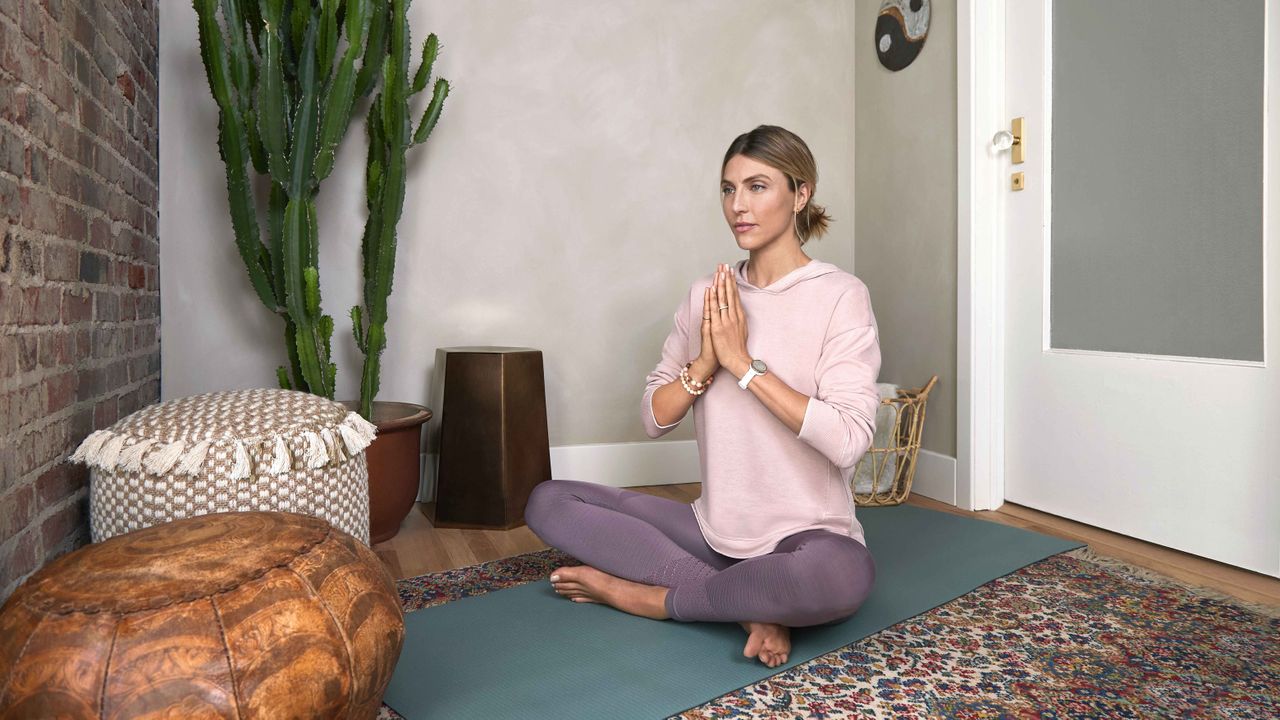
[724,327]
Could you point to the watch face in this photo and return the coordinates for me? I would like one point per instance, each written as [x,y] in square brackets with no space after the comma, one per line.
[759,366]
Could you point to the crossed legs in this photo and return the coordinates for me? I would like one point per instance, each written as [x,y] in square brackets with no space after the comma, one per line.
[812,578]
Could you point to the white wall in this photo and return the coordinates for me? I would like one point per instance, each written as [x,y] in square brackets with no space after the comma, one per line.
[566,199]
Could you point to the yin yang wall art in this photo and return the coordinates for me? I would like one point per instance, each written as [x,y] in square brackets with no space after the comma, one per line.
[901,28]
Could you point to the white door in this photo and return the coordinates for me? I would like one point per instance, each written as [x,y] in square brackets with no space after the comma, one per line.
[1142,393]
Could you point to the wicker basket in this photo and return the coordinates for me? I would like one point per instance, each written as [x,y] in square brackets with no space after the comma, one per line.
[899,459]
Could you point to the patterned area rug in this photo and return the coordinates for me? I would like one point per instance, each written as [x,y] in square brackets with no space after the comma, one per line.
[1074,635]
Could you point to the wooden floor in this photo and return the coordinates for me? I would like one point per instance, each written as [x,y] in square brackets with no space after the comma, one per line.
[420,548]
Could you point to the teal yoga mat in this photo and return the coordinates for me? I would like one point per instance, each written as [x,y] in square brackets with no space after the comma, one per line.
[526,652]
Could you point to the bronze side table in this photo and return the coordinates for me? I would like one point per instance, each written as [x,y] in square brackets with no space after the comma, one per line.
[493,437]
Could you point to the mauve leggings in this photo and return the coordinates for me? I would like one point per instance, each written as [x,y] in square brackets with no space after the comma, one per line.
[815,577]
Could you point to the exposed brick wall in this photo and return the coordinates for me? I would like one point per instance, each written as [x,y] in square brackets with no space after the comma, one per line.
[79,255]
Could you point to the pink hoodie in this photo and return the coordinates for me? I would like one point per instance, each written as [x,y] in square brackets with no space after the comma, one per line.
[815,330]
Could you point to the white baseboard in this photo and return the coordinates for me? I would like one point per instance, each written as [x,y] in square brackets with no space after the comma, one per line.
[614,464]
[935,476]
[675,463]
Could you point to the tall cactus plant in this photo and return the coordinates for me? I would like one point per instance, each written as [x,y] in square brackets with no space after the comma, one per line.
[284,106]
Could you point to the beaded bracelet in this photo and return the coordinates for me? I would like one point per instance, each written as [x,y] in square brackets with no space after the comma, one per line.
[684,380]
[691,386]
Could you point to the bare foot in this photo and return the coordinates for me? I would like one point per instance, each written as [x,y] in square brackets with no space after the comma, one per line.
[583,583]
[769,641]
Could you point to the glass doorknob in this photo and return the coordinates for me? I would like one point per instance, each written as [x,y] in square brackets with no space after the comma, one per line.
[1002,140]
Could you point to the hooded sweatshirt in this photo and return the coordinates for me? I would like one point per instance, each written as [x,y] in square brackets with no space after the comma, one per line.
[815,330]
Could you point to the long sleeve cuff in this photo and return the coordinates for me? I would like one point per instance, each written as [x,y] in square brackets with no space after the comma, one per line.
[842,442]
[651,426]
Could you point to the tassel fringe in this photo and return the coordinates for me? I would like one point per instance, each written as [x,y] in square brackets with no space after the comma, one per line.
[317,455]
[109,450]
[367,430]
[91,445]
[161,461]
[351,438]
[240,470]
[332,452]
[194,458]
[131,456]
[357,432]
[280,464]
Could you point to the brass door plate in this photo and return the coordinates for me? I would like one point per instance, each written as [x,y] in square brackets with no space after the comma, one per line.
[1017,181]
[1019,140]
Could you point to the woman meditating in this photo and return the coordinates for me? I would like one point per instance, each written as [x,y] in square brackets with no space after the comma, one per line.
[782,414]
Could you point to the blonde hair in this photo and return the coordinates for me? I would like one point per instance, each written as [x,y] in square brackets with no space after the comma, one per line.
[784,150]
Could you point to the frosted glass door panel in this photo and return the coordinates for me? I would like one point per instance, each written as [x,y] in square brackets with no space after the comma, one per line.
[1155,238]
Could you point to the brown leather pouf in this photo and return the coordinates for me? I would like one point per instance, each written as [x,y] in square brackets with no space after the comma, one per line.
[227,615]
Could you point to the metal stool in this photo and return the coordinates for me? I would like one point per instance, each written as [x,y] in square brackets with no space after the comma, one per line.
[493,437]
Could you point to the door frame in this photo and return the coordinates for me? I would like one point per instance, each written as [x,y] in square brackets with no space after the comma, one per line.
[980,236]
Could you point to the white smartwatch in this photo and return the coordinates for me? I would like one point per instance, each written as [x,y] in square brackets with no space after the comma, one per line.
[757,368]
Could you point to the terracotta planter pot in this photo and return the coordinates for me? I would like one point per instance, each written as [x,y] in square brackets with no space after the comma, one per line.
[394,464]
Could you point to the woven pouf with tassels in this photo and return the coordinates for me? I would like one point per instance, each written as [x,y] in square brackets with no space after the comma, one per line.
[257,449]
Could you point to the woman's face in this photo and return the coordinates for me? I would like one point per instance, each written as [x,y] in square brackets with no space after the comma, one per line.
[756,201]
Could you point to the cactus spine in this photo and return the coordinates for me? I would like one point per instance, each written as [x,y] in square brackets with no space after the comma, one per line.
[283,108]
